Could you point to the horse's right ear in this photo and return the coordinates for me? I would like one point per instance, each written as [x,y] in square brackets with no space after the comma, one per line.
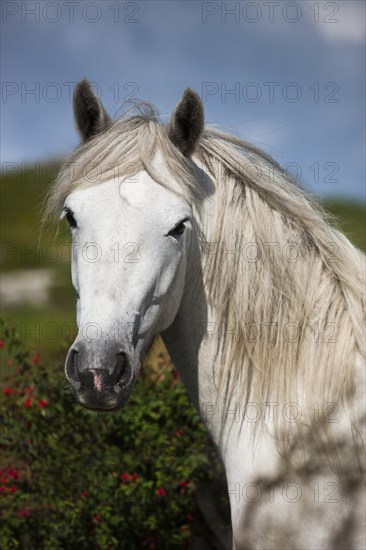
[90,116]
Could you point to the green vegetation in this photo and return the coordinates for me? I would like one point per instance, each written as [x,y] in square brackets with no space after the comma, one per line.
[24,247]
[349,218]
[22,195]
[75,479]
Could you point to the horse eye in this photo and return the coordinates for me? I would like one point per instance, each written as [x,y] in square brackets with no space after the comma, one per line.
[70,219]
[178,229]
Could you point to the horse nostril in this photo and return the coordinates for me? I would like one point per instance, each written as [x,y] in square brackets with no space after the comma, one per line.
[71,367]
[120,366]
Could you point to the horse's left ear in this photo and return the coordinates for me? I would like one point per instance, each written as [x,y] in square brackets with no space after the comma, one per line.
[90,116]
[187,123]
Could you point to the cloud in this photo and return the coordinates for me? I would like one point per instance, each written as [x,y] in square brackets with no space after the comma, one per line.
[340,21]
[171,48]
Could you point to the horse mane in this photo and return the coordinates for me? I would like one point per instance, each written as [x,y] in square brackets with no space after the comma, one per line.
[287,288]
[126,148]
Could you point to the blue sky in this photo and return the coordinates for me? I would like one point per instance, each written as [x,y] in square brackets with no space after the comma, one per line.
[295,70]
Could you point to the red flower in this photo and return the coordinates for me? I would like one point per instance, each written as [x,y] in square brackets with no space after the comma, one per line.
[28,403]
[24,513]
[150,542]
[4,479]
[36,359]
[96,518]
[179,432]
[84,493]
[28,390]
[134,476]
[1,343]
[14,473]
[7,391]
[3,488]
[13,489]
[161,492]
[125,476]
[183,486]
[42,403]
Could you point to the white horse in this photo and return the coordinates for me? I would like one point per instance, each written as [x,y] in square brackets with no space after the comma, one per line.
[198,236]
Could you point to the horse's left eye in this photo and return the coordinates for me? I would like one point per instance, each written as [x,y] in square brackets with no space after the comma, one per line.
[178,229]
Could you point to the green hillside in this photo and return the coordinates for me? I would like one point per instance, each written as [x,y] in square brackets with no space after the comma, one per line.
[350,218]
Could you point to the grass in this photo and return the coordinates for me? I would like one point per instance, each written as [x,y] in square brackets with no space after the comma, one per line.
[22,196]
[349,218]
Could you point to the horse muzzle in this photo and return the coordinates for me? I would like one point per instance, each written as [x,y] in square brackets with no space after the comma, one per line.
[101,382]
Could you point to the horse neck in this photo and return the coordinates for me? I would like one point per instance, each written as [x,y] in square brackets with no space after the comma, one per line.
[194,337]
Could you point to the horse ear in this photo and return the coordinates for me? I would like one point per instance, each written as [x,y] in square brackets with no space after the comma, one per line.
[187,122]
[90,116]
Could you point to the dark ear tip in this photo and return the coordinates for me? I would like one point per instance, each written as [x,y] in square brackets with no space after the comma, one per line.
[192,98]
[82,87]
[187,123]
[90,116]
[188,92]
[84,81]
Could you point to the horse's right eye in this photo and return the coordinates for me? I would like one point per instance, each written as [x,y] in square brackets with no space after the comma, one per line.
[70,219]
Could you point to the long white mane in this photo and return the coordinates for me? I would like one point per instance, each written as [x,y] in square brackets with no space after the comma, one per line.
[288,288]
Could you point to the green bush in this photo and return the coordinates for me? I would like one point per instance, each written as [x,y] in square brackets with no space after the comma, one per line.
[76,479]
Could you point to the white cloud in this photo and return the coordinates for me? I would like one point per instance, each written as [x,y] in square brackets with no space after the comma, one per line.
[340,21]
